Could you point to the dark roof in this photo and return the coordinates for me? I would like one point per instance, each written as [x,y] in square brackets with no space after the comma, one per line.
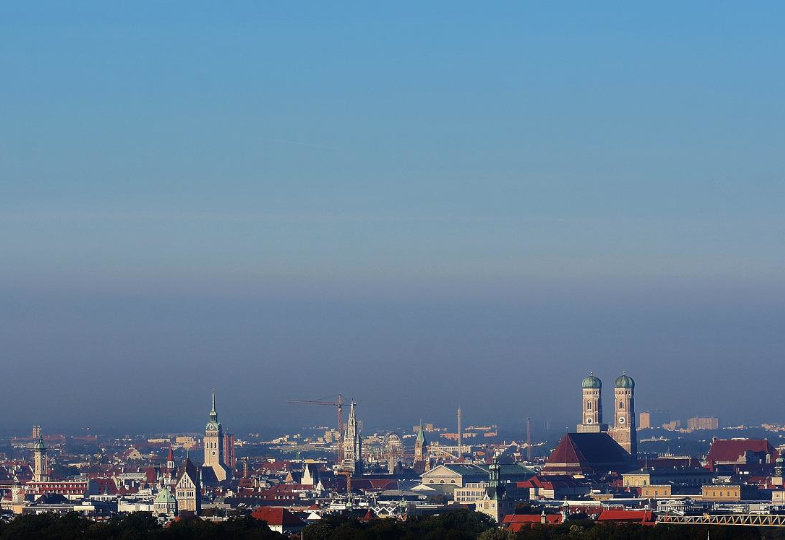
[465,469]
[190,469]
[587,453]
[511,470]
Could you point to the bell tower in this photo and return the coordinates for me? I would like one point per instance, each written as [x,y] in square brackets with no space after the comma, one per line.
[40,462]
[213,445]
[624,431]
[591,414]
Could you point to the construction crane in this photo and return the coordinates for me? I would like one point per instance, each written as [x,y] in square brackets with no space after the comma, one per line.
[337,403]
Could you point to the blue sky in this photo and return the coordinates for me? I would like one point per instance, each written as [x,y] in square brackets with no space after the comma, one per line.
[350,187]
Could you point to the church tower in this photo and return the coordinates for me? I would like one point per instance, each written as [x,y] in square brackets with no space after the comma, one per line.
[421,456]
[214,445]
[352,444]
[420,446]
[591,416]
[624,431]
[40,462]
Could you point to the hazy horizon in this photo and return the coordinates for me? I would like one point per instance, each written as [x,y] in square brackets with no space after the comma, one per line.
[416,206]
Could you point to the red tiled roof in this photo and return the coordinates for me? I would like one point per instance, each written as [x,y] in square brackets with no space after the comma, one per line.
[731,450]
[277,516]
[516,522]
[628,516]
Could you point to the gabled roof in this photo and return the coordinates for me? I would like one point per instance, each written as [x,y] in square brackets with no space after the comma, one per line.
[731,450]
[190,469]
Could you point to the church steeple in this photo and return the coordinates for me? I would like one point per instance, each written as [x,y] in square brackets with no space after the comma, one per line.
[420,446]
[495,489]
[213,413]
[214,444]
[352,443]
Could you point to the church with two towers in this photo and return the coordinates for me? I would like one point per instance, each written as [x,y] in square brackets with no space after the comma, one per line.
[623,430]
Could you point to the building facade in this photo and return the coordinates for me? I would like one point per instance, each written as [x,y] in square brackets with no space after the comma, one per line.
[624,431]
[188,489]
[591,416]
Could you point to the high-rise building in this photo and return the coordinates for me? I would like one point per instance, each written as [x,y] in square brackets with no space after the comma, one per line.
[701,423]
[644,420]
[230,455]
[591,416]
[624,431]
[214,445]
[352,443]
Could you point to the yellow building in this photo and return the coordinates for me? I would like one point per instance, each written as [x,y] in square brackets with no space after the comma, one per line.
[721,493]
[656,491]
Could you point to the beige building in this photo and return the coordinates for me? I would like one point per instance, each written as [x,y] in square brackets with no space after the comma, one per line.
[623,430]
[188,489]
[702,423]
[681,477]
[470,493]
[214,446]
[721,493]
[644,420]
[454,475]
[656,491]
[591,417]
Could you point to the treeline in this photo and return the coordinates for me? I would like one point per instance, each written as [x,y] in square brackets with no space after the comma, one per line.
[136,526]
[459,525]
[467,525]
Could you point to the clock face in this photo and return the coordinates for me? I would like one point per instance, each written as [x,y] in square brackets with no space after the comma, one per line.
[621,420]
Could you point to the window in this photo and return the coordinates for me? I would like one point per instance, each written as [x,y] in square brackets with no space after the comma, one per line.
[588,405]
[621,405]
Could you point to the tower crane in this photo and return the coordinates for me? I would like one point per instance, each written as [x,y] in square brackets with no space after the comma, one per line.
[338,403]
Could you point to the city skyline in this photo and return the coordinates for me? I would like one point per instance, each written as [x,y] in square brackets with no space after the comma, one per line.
[655,418]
